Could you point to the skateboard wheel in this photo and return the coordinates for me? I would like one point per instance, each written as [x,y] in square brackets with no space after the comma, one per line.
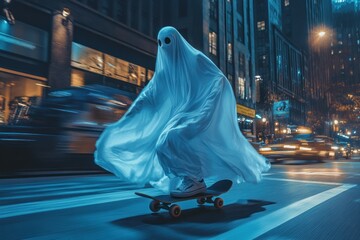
[201,200]
[175,211]
[154,206]
[218,203]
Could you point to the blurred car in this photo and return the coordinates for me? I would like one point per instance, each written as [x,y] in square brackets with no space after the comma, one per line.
[62,129]
[295,149]
[343,150]
[286,148]
[325,145]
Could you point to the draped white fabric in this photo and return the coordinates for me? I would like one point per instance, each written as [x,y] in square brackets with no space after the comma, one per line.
[184,123]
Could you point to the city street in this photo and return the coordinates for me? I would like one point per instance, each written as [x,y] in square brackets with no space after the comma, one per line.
[296,200]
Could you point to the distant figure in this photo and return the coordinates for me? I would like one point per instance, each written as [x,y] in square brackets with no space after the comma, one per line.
[182,128]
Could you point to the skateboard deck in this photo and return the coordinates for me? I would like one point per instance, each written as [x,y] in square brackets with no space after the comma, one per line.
[166,201]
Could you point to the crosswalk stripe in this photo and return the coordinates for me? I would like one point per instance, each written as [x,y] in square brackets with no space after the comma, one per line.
[262,225]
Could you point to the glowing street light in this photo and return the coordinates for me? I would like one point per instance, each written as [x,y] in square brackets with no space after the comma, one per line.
[322,33]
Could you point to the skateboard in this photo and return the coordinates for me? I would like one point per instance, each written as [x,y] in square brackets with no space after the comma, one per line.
[166,201]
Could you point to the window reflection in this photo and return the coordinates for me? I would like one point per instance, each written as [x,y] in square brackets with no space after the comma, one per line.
[95,61]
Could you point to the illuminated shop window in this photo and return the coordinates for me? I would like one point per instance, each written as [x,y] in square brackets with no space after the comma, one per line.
[17,95]
[150,75]
[94,61]
[87,58]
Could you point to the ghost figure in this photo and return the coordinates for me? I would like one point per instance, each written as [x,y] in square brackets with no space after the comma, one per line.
[183,123]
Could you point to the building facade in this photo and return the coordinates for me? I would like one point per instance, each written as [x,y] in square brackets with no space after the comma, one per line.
[345,67]
[223,30]
[307,24]
[58,44]
[114,43]
[280,70]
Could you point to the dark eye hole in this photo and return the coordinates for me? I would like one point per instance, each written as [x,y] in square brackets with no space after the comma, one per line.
[167,40]
[159,42]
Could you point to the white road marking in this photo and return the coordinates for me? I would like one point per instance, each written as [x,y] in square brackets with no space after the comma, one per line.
[301,181]
[57,204]
[62,192]
[258,227]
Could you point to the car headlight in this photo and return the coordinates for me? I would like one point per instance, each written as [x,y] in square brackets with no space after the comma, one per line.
[334,147]
[290,146]
[264,149]
[305,148]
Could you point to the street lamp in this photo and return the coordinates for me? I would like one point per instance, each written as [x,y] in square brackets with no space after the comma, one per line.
[320,37]
[321,34]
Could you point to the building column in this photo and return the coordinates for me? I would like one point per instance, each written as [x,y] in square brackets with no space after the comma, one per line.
[60,51]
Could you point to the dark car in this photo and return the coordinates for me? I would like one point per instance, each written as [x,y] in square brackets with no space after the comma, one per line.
[62,129]
[343,150]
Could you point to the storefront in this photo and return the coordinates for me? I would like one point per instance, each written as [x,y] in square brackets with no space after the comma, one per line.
[23,59]
[246,118]
[45,51]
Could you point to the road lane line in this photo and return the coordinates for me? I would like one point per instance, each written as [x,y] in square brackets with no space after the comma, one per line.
[258,227]
[63,192]
[58,204]
[301,181]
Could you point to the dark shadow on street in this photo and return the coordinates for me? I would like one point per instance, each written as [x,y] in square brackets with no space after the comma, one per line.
[195,221]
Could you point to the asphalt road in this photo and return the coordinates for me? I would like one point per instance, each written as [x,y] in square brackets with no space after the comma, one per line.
[296,200]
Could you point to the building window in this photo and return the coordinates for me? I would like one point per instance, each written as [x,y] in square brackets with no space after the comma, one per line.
[213,43]
[261,26]
[241,87]
[240,6]
[95,61]
[229,52]
[214,9]
[241,77]
[135,14]
[106,7]
[121,11]
[240,31]
[183,8]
